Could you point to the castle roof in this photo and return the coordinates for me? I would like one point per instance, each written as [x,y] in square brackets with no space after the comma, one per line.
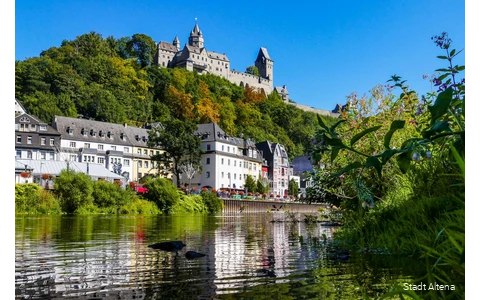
[218,56]
[196,30]
[167,47]
[265,52]
[281,90]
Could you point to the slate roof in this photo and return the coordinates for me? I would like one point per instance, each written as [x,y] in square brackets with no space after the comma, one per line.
[265,52]
[62,124]
[212,132]
[34,120]
[166,46]
[219,56]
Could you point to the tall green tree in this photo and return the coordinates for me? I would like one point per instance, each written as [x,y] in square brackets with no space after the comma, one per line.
[181,146]
[250,184]
[143,48]
[252,70]
[292,187]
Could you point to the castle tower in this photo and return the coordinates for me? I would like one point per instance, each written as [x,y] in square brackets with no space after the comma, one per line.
[176,43]
[196,37]
[264,64]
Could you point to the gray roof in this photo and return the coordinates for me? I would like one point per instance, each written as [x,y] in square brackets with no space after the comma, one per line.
[21,166]
[196,30]
[219,56]
[34,120]
[54,167]
[281,90]
[137,136]
[265,52]
[116,130]
[194,49]
[302,164]
[167,47]
[212,132]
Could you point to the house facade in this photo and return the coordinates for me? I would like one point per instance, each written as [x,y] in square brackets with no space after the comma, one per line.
[279,168]
[226,160]
[34,139]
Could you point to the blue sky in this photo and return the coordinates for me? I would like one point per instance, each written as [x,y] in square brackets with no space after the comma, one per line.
[323,51]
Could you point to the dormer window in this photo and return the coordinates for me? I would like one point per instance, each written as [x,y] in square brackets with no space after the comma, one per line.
[43,127]
[93,133]
[123,136]
[70,130]
[84,132]
[110,135]
[101,133]
[137,137]
[144,139]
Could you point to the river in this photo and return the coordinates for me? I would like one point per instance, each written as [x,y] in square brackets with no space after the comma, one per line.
[247,256]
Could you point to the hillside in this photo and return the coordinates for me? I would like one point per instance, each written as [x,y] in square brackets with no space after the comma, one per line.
[113,80]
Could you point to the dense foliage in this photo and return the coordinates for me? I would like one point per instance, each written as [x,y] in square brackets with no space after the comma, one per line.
[114,80]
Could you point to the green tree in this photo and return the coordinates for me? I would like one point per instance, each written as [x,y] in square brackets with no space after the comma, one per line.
[250,184]
[74,190]
[162,191]
[181,146]
[143,48]
[252,70]
[293,188]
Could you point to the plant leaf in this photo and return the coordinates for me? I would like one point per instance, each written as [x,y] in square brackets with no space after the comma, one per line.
[440,107]
[373,161]
[397,124]
[321,122]
[334,154]
[438,127]
[403,161]
[332,129]
[361,134]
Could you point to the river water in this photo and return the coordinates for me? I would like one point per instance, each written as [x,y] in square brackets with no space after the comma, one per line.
[247,256]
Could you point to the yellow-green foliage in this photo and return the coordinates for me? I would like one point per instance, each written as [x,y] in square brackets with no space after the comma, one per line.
[140,207]
[190,204]
[31,198]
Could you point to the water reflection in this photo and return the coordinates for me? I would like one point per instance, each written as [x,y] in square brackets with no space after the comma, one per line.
[106,257]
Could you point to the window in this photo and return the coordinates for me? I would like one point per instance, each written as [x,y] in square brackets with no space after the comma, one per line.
[139,151]
[52,142]
[228,175]
[93,133]
[70,131]
[126,162]
[126,150]
[157,152]
[84,132]
[228,148]
[240,164]
[100,147]
[145,151]
[223,148]
[145,164]
[19,139]
[29,140]
[207,174]
[222,161]
[240,176]
[208,160]
[139,175]
[123,136]
[229,162]
[43,127]
[19,153]
[86,145]
[151,165]
[29,154]
[151,152]
[114,147]
[208,147]
[101,160]
[43,155]
[234,163]
[73,145]
[234,175]
[222,175]
[139,164]
[73,157]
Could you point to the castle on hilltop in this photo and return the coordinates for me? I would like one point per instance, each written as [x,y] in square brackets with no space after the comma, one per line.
[194,56]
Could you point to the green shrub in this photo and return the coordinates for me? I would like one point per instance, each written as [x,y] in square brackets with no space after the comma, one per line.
[163,192]
[139,207]
[31,198]
[106,194]
[74,190]
[212,202]
[190,204]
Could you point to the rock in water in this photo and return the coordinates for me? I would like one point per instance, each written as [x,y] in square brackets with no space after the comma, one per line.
[193,254]
[172,246]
